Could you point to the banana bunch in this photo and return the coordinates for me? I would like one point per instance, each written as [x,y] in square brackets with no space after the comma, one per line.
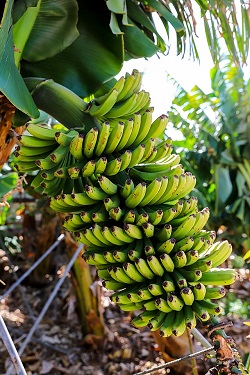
[127,199]
[122,100]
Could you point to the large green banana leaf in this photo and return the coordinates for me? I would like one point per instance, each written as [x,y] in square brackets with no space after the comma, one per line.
[94,57]
[43,28]
[11,82]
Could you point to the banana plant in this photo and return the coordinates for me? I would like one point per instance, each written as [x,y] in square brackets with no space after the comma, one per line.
[215,129]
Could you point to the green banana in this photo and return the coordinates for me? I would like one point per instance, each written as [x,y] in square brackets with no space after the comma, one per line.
[111,202]
[90,141]
[95,193]
[136,196]
[179,279]
[149,147]
[158,127]
[156,289]
[179,325]
[136,118]
[185,228]
[155,217]
[148,229]
[166,247]
[187,296]
[219,276]
[125,159]
[192,257]
[119,85]
[200,311]
[115,137]
[211,307]
[100,110]
[124,108]
[120,234]
[132,272]
[102,138]
[113,167]
[133,231]
[97,232]
[127,188]
[89,168]
[191,276]
[76,146]
[156,322]
[34,151]
[116,213]
[33,142]
[190,318]
[168,283]
[127,131]
[169,194]
[129,217]
[199,291]
[179,259]
[185,244]
[113,285]
[151,190]
[128,87]
[155,265]
[64,139]
[218,253]
[146,120]
[164,233]
[167,262]
[163,305]
[136,250]
[41,132]
[107,234]
[137,155]
[166,327]
[174,302]
[143,268]
[100,165]
[81,199]
[215,292]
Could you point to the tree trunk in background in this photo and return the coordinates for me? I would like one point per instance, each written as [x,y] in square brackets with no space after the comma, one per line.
[89,297]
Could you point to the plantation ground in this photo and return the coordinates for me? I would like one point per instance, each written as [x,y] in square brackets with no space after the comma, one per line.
[58,346]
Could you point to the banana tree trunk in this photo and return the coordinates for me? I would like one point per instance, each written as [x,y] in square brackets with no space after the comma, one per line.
[89,309]
[7,135]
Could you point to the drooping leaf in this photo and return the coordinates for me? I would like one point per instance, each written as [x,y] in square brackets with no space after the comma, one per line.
[93,58]
[164,12]
[136,42]
[53,28]
[11,82]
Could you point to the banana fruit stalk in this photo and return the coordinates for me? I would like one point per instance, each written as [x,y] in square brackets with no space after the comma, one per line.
[127,198]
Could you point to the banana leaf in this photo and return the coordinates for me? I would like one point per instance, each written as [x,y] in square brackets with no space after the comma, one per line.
[11,82]
[44,30]
[93,58]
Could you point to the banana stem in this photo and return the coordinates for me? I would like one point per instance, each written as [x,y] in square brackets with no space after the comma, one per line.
[60,103]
